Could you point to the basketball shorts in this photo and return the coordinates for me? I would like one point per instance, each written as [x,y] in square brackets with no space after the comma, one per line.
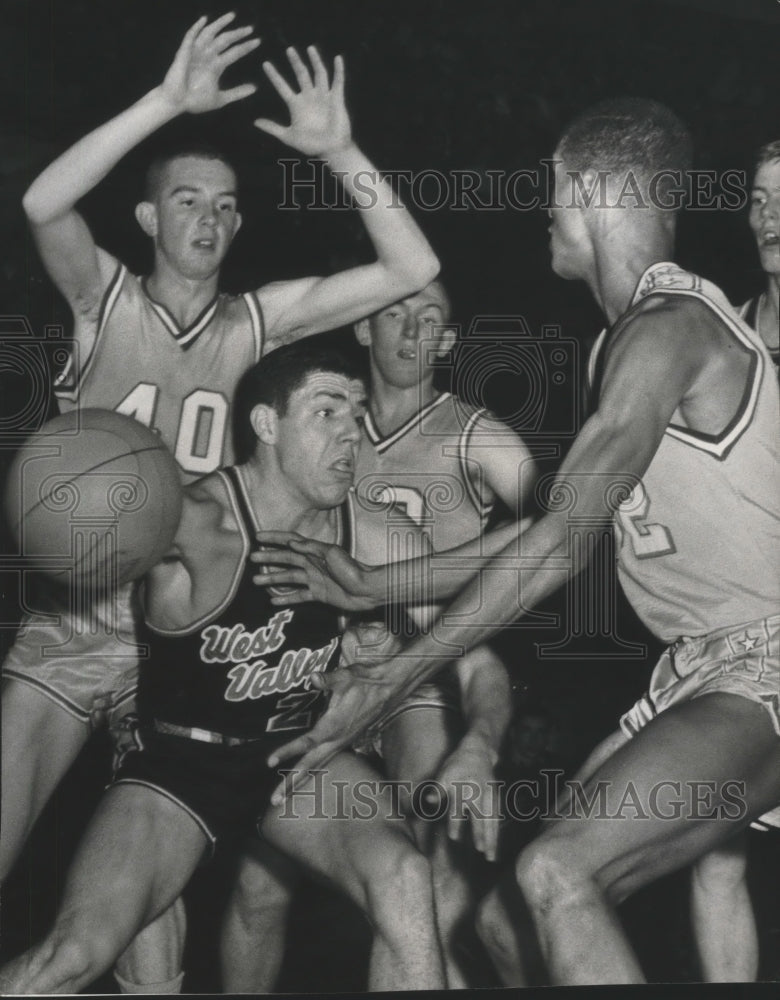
[224,789]
[85,660]
[743,661]
[442,693]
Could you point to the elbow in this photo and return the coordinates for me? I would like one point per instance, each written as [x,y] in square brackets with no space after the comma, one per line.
[428,267]
[33,206]
[416,270]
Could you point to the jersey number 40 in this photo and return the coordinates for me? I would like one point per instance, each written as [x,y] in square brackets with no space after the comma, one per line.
[200,433]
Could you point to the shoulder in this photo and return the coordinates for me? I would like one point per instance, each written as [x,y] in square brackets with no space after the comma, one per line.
[664,325]
[207,508]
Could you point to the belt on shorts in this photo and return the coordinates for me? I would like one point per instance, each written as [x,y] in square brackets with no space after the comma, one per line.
[203,735]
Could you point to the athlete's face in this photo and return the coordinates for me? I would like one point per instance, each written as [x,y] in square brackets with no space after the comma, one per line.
[317,438]
[194,216]
[765,215]
[404,335]
[569,239]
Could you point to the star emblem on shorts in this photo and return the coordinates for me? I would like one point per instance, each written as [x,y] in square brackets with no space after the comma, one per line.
[748,642]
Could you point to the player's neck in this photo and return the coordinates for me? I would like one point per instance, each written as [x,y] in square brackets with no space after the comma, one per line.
[277,507]
[391,407]
[185,298]
[619,266]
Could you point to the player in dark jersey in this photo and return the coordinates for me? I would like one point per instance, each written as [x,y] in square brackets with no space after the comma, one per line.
[444,463]
[168,350]
[682,451]
[228,680]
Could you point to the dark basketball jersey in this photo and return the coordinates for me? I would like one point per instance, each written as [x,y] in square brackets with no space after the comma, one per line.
[244,669]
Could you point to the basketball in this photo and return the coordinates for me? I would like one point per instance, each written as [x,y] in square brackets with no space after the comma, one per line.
[93,496]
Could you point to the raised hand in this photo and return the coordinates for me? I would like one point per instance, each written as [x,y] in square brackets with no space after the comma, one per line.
[192,82]
[321,572]
[469,780]
[319,122]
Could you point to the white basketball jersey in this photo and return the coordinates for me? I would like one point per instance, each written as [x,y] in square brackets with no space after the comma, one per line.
[699,539]
[179,382]
[424,468]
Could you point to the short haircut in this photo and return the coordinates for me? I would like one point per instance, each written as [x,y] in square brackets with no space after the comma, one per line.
[156,168]
[767,154]
[446,301]
[273,380]
[627,133]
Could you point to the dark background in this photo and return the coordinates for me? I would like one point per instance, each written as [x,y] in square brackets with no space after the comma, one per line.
[430,85]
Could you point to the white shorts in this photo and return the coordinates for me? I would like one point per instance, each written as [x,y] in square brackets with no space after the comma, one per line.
[442,693]
[742,660]
[86,661]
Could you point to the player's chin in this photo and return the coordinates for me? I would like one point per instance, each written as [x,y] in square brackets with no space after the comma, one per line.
[770,258]
[563,268]
[336,490]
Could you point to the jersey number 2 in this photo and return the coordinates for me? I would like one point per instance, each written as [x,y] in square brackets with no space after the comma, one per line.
[647,540]
[295,714]
[201,430]
[408,499]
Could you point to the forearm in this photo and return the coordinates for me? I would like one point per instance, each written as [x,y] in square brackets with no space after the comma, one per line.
[503,592]
[65,181]
[486,698]
[397,239]
[432,578]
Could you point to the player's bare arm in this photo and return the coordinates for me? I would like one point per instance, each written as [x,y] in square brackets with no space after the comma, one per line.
[328,574]
[320,126]
[659,367]
[77,267]
[198,572]
[486,698]
[505,464]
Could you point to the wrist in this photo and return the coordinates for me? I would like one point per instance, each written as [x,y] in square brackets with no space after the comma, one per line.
[162,105]
[483,742]
[342,156]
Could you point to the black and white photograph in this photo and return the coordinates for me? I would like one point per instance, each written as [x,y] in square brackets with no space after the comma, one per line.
[390,546]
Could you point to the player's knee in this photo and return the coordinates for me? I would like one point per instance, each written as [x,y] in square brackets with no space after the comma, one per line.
[548,871]
[257,894]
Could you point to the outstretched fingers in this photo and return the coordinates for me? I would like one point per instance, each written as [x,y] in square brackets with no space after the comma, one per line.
[278,82]
[320,72]
[300,69]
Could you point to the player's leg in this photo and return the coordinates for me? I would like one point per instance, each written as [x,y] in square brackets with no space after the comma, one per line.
[136,856]
[415,744]
[575,872]
[40,742]
[152,962]
[724,924]
[503,922]
[337,826]
[253,928]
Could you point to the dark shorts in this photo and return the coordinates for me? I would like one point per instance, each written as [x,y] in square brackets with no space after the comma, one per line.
[225,790]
